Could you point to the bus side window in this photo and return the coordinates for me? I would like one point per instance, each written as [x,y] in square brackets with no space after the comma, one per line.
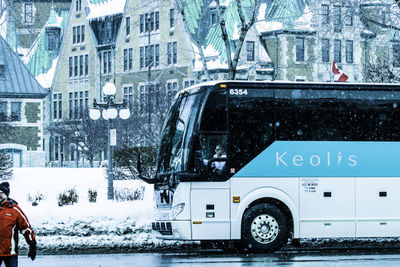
[251,127]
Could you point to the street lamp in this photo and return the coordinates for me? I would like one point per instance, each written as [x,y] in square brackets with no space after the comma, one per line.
[108,112]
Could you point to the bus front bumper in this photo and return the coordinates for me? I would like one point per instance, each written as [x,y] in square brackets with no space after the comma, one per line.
[177,230]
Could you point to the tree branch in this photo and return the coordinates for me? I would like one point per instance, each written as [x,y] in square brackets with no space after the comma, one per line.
[225,38]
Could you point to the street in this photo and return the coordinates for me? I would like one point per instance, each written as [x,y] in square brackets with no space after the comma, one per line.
[196,259]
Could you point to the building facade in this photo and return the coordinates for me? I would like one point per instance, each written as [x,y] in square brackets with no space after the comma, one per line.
[353,34]
[135,44]
[22,111]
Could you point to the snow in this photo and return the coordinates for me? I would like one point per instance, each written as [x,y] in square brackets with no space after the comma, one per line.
[304,22]
[46,79]
[106,8]
[263,26]
[105,223]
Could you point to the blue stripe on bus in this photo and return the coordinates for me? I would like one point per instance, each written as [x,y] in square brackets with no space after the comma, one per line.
[325,159]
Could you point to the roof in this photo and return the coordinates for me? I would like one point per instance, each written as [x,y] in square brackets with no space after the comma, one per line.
[39,60]
[18,81]
[102,8]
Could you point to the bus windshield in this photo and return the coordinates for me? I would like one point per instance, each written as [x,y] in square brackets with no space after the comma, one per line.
[173,152]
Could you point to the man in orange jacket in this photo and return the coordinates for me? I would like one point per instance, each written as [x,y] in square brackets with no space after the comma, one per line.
[12,220]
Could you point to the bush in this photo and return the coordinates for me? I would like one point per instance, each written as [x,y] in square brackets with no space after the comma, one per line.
[68,197]
[92,195]
[126,159]
[36,198]
[129,194]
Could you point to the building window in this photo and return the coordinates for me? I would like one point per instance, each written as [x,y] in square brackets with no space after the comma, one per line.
[128,96]
[337,15]
[15,111]
[157,55]
[128,57]
[188,83]
[172,56]
[78,5]
[57,106]
[3,111]
[337,51]
[348,20]
[106,61]
[127,26]
[71,69]
[324,14]
[325,50]
[76,66]
[81,65]
[349,51]
[141,23]
[172,89]
[171,18]
[83,33]
[213,18]
[157,15]
[2,71]
[28,12]
[141,57]
[250,50]
[86,65]
[52,39]
[78,34]
[150,56]
[396,55]
[149,22]
[299,49]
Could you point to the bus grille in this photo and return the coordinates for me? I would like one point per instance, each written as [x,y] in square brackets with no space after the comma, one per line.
[163,228]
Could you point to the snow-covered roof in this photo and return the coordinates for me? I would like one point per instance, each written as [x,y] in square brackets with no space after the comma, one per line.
[40,61]
[103,8]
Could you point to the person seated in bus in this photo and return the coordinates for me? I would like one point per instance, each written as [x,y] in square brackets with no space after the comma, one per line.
[219,154]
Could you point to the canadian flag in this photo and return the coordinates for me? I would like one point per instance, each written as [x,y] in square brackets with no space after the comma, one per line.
[336,71]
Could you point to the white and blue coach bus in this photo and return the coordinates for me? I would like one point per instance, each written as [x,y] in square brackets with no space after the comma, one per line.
[261,162]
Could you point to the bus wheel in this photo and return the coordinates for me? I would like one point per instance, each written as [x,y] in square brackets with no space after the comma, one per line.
[264,228]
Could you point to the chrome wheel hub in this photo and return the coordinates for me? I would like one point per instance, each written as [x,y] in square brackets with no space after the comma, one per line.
[264,228]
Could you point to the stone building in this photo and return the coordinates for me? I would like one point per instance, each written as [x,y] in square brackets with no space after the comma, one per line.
[303,38]
[21,111]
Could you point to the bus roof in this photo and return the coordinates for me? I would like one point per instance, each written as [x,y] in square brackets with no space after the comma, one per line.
[313,85]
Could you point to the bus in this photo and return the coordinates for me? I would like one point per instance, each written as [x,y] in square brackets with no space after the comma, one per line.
[264,162]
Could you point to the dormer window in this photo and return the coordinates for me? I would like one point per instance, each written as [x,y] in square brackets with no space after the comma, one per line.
[28,13]
[213,18]
[53,38]
[2,71]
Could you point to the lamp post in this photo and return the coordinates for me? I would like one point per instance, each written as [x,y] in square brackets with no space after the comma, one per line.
[109,111]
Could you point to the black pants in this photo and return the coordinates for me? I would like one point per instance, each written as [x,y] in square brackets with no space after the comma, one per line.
[11,261]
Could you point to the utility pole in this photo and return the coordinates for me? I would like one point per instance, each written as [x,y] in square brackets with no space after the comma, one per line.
[149,78]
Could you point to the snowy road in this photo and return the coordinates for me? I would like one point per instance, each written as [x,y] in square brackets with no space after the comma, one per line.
[169,259]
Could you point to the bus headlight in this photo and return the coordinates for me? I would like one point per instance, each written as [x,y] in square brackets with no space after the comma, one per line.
[177,209]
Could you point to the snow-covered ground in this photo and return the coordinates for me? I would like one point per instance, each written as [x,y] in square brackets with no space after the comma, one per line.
[84,225]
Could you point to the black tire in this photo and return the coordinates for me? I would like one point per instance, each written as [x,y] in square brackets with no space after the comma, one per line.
[264,228]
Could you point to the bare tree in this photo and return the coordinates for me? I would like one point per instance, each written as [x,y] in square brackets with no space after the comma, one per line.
[381,70]
[244,27]
[89,136]
[198,34]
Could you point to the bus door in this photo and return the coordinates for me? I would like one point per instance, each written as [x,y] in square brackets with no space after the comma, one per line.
[210,206]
